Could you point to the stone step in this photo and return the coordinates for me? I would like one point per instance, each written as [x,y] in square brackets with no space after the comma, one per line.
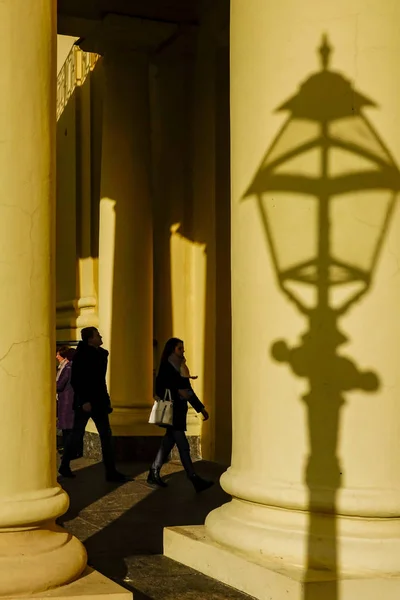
[160,578]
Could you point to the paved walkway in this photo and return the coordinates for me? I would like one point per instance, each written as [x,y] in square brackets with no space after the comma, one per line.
[122,528]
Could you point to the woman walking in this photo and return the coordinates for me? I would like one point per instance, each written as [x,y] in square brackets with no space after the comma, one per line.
[170,378]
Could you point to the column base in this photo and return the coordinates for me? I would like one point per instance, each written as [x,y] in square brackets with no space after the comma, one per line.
[41,558]
[91,585]
[193,547]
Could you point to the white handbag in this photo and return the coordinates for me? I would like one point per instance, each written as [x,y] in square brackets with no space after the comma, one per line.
[162,411]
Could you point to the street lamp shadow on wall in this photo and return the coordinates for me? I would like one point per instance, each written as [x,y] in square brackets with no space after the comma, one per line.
[325,168]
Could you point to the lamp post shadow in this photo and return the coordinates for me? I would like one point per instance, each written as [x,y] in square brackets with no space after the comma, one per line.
[329,156]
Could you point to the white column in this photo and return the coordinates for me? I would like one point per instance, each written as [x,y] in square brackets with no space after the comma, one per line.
[126,243]
[35,554]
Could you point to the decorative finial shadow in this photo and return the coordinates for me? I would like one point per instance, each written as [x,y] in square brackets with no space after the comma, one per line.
[325,51]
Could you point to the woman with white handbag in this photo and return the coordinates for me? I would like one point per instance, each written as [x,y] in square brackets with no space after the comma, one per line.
[173,392]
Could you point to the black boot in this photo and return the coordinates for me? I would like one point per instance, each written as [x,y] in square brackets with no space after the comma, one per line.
[199,483]
[66,472]
[154,478]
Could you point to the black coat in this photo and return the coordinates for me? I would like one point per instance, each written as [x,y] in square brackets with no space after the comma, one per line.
[169,378]
[88,378]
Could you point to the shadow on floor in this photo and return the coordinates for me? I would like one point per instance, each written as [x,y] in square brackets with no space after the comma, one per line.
[90,486]
[122,528]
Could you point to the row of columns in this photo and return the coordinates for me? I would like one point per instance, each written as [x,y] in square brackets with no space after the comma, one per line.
[36,554]
[125,265]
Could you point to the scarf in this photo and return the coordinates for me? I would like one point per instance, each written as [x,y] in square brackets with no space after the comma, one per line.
[61,366]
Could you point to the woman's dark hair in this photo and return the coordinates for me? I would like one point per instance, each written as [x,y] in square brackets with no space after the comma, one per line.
[169,348]
[63,351]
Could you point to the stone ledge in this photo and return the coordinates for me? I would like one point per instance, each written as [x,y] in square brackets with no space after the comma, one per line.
[193,547]
[92,585]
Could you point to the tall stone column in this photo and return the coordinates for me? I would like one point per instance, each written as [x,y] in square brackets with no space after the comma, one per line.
[126,242]
[35,554]
[315,475]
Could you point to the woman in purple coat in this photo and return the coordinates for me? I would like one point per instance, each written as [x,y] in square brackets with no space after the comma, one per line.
[65,393]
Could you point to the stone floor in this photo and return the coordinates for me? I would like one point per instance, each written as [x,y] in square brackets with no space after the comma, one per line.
[122,528]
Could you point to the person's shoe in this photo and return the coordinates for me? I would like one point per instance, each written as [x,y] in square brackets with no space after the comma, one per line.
[154,478]
[200,484]
[117,477]
[66,472]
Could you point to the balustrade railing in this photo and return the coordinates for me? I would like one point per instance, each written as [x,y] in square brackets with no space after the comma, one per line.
[73,73]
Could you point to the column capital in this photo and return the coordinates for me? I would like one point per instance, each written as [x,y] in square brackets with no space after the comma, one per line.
[127,33]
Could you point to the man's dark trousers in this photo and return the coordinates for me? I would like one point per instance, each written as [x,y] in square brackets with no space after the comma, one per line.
[102,423]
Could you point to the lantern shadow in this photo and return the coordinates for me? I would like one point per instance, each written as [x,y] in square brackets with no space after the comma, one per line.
[325,168]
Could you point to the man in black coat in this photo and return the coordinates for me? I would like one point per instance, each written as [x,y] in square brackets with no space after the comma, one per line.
[91,400]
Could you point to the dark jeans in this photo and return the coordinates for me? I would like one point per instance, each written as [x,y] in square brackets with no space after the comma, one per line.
[172,437]
[65,436]
[74,440]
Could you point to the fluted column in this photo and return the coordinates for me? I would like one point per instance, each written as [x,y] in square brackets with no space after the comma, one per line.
[35,554]
[126,242]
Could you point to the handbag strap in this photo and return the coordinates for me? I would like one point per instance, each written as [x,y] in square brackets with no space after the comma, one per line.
[167,395]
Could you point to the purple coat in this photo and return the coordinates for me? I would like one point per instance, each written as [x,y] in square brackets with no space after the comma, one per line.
[65,393]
